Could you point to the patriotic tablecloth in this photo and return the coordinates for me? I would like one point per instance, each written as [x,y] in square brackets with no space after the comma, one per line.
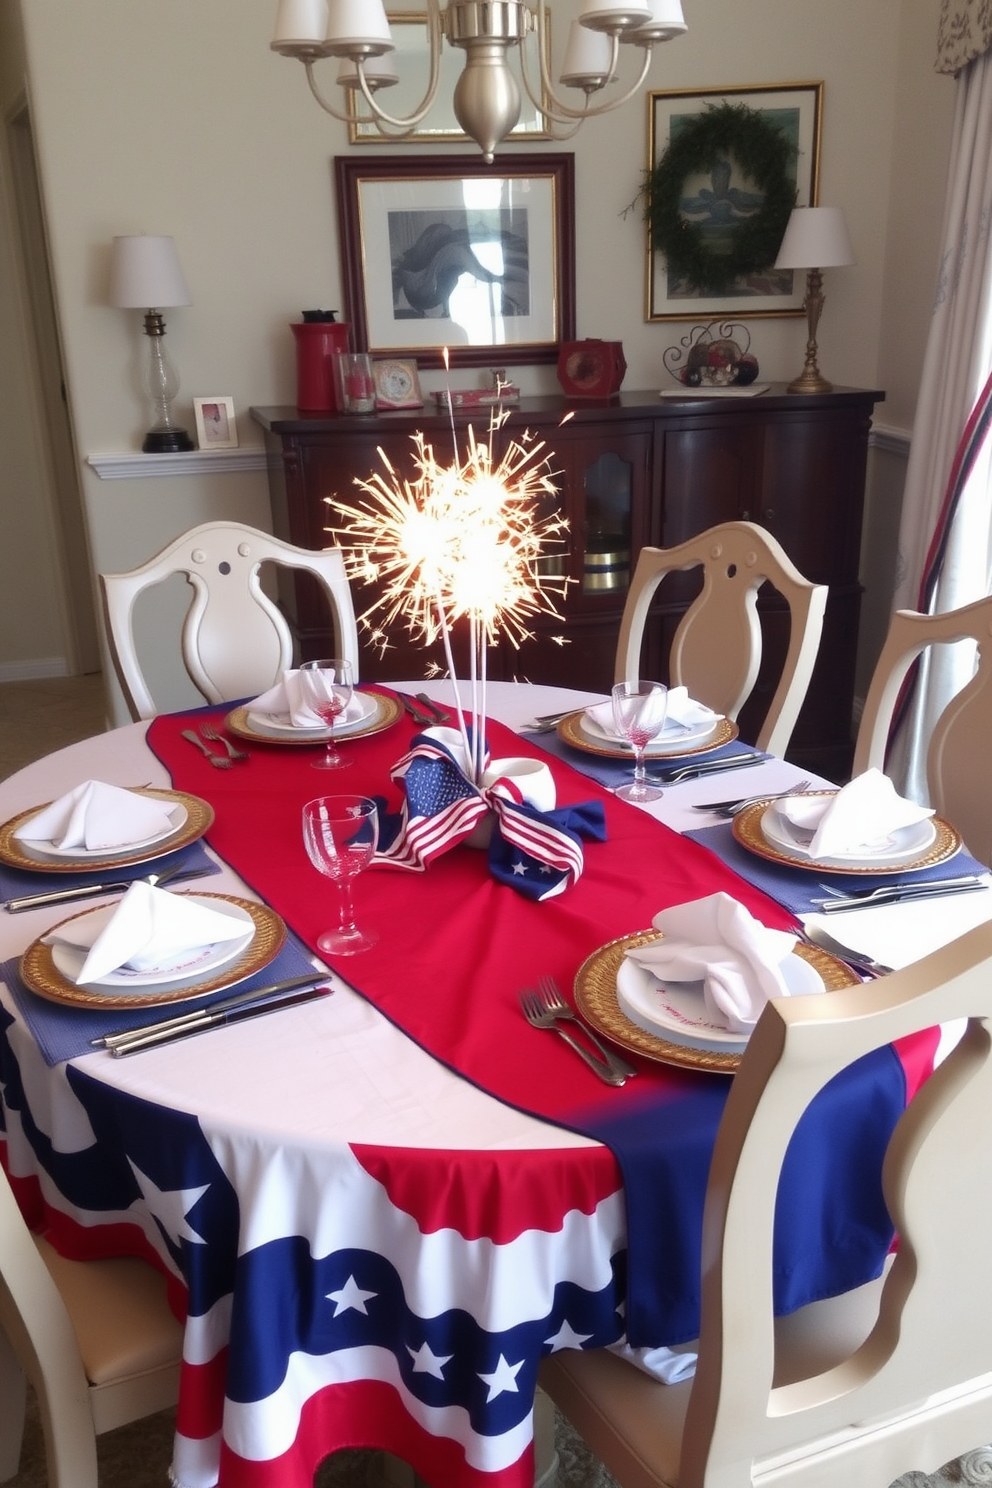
[341,1294]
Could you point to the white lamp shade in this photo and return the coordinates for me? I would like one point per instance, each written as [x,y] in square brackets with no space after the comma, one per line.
[815,238]
[614,19]
[380,72]
[145,274]
[300,23]
[666,22]
[587,57]
[356,28]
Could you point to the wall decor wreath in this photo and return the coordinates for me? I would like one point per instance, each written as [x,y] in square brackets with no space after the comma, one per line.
[721,232]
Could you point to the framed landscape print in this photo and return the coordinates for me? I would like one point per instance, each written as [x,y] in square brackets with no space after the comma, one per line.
[708,211]
[443,253]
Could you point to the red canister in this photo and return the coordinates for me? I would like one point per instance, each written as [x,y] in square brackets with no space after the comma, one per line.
[317,344]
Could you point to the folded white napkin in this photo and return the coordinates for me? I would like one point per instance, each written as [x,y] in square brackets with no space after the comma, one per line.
[95,815]
[149,930]
[860,815]
[287,697]
[716,941]
[683,713]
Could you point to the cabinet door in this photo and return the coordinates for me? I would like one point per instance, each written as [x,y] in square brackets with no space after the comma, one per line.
[812,491]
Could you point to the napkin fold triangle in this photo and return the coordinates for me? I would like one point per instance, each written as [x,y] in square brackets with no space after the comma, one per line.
[95,815]
[287,697]
[149,930]
[863,813]
[717,941]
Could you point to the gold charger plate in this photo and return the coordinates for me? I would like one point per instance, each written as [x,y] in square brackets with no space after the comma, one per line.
[199,819]
[747,831]
[39,972]
[570,732]
[597,1001]
[388,712]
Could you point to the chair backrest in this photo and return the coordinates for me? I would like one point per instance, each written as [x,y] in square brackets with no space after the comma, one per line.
[235,640]
[95,1338]
[918,1390]
[957,758]
[716,650]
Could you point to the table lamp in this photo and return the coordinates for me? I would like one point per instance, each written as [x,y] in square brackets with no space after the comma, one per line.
[815,238]
[145,274]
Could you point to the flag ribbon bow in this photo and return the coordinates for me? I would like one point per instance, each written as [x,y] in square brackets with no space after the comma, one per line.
[538,853]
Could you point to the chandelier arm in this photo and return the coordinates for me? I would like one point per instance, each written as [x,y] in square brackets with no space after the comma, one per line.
[349,118]
[541,103]
[560,111]
[410,121]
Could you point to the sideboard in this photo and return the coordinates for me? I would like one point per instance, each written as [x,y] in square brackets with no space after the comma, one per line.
[638,469]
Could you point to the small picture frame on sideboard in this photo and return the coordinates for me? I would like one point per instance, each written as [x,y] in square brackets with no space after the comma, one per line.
[216,426]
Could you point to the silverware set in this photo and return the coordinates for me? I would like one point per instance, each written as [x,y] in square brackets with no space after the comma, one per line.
[897,893]
[671,775]
[546,1008]
[730,809]
[423,709]
[857,960]
[85,891]
[234,1009]
[219,761]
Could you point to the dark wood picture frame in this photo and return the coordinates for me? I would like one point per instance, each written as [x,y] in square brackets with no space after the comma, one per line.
[406,225]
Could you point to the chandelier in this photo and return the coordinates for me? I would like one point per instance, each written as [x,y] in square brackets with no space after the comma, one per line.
[486,98]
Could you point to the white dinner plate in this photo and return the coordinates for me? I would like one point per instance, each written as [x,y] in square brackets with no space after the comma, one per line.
[896,850]
[675,738]
[46,851]
[200,964]
[276,725]
[677,1012]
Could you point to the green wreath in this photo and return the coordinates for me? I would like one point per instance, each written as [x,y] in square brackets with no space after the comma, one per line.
[763,154]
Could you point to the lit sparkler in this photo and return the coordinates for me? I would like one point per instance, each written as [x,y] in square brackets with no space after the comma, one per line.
[457,541]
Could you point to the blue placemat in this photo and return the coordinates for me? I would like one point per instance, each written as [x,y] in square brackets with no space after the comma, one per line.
[613,772]
[15,882]
[796,888]
[65,1032]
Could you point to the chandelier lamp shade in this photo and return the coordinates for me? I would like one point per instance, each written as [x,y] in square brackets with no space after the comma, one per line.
[815,238]
[145,274]
[487,97]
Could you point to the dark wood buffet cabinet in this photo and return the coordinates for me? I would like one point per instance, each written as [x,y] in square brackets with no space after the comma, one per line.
[636,470]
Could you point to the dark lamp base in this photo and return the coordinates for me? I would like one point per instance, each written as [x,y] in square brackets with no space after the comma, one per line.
[166,442]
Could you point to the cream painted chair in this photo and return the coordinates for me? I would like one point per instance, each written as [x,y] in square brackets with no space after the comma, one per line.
[716,651]
[958,749]
[235,640]
[853,1391]
[96,1339]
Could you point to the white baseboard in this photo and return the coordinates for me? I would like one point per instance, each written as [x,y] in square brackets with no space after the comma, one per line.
[35,670]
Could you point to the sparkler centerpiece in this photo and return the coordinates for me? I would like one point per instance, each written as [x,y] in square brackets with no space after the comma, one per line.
[461,541]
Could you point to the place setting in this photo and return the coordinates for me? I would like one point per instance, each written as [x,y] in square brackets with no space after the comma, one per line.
[316,703]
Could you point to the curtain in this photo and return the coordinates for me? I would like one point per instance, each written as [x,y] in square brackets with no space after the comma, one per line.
[957,362]
[964,32]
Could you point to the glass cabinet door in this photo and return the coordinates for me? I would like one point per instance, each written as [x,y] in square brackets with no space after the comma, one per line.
[608,489]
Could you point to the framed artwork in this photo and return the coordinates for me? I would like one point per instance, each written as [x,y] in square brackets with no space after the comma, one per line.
[444,253]
[397,384]
[412,57]
[216,427]
[697,140]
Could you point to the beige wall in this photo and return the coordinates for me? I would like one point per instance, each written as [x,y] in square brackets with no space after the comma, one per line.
[178,119]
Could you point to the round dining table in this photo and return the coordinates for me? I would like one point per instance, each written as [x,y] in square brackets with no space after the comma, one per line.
[284,1121]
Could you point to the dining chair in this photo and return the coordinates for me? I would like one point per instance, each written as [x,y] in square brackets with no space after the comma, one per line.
[96,1339]
[716,650]
[957,758]
[235,640]
[862,1387]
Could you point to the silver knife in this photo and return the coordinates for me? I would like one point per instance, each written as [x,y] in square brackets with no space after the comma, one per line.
[675,773]
[239,999]
[84,891]
[902,893]
[161,1036]
[432,707]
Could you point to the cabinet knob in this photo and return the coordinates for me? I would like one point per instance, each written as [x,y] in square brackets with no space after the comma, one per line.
[745,516]
[770,514]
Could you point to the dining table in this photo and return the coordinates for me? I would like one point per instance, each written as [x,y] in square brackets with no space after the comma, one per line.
[379,1208]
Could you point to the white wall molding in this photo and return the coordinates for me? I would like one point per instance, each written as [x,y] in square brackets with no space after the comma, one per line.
[892,441]
[34,670]
[133,465]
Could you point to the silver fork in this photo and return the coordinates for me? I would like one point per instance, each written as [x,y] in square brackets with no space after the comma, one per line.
[555,1003]
[538,1016]
[731,808]
[857,960]
[219,761]
[216,738]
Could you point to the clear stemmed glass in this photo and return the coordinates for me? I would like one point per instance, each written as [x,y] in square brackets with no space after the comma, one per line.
[639,709]
[327,686]
[340,834]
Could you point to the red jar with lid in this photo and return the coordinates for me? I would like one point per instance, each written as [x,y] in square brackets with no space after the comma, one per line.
[317,344]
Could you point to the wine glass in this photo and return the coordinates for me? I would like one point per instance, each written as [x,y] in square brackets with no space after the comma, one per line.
[639,709]
[326,687]
[340,834]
